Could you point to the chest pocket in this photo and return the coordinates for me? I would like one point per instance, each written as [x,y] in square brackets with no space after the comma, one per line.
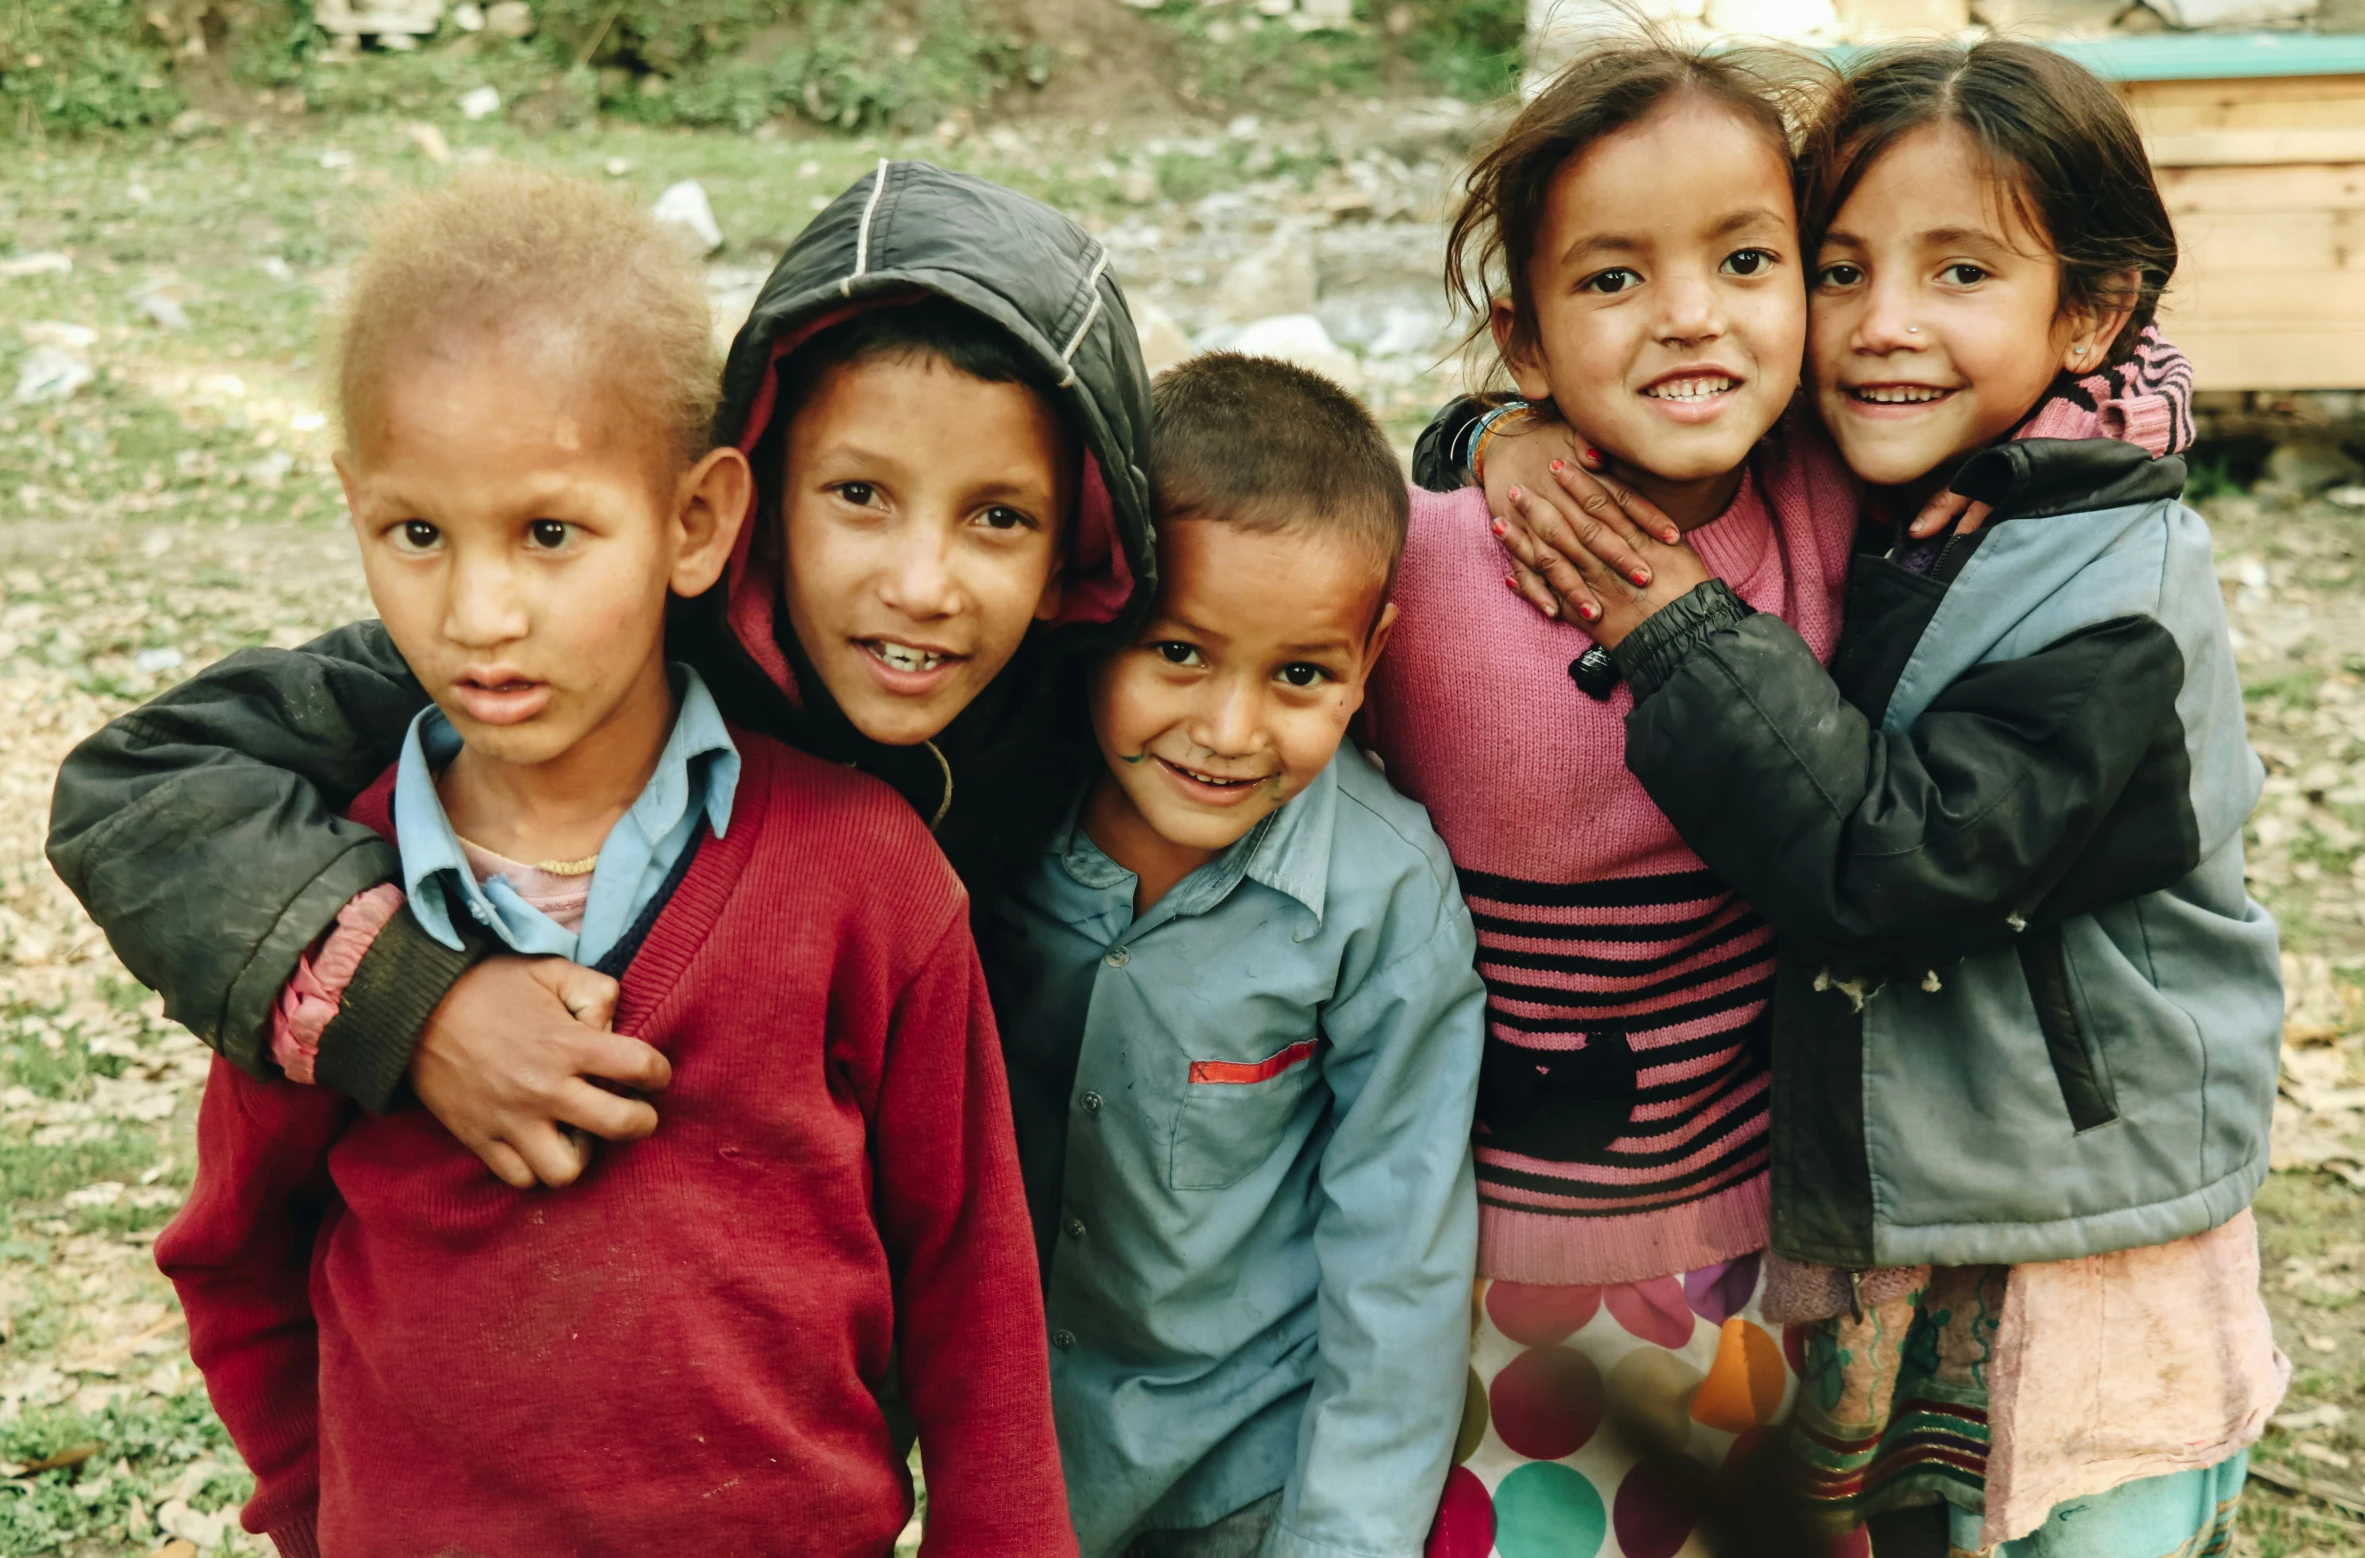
[1233,1114]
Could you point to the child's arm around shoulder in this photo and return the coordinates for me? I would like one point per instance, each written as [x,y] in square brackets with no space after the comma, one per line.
[1396,1237]
[950,1204]
[1889,853]
[240,1256]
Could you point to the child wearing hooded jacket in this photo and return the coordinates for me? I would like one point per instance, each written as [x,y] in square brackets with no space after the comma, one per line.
[227,789]
[411,1357]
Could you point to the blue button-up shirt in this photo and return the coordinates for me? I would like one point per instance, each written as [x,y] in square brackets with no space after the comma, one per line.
[697,774]
[1260,1232]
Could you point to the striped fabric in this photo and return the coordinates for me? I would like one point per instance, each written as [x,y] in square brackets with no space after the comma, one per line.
[1622,1109]
[2147,400]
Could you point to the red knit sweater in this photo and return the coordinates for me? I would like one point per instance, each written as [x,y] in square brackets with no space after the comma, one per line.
[679,1352]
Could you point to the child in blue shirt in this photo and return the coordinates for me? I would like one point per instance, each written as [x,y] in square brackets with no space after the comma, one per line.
[1243,1026]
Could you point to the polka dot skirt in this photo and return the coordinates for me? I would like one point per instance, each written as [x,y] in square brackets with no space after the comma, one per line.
[1572,1389]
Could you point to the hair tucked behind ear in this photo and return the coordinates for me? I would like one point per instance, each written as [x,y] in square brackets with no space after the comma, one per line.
[2058,142]
[1600,92]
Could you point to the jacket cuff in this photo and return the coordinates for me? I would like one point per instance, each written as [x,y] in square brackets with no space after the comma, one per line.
[366,1051]
[298,1538]
[1648,656]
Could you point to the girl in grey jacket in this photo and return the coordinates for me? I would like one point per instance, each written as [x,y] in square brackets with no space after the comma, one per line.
[2027,1016]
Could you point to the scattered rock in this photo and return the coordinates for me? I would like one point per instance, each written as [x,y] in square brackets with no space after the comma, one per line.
[408,20]
[50,373]
[1163,343]
[1299,338]
[617,167]
[1138,185]
[336,159]
[684,211]
[480,103]
[2305,468]
[156,304]
[468,16]
[427,141]
[190,123]
[44,263]
[1275,279]
[166,658]
[58,333]
[1335,14]
[2325,1416]
[2233,13]
[509,19]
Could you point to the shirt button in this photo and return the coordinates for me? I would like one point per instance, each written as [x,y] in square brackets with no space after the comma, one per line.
[1118,957]
[1075,1227]
[1091,1103]
[1063,1339]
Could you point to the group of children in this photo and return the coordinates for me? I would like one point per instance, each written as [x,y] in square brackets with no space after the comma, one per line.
[1101,934]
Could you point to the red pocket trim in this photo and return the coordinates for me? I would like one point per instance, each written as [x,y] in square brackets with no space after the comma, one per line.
[1237,1073]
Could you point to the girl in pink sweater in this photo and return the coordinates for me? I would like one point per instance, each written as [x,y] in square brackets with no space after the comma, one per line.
[1636,224]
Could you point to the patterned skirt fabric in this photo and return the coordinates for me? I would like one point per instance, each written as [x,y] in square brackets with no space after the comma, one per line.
[2186,1514]
[1605,1422]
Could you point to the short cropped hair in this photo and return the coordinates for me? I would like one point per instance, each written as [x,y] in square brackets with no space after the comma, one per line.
[1268,446]
[501,245]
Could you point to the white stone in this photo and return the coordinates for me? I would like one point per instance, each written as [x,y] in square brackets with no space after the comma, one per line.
[1163,343]
[1275,279]
[58,333]
[45,263]
[384,18]
[1138,185]
[480,103]
[1329,13]
[1299,338]
[468,16]
[684,211]
[510,19]
[50,373]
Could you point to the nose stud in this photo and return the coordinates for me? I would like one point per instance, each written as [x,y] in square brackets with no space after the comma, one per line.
[1913,329]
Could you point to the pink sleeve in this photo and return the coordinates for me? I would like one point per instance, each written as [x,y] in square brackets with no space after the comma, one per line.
[309,1000]
[2146,400]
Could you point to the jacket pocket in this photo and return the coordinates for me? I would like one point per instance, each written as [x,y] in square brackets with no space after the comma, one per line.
[2077,1064]
[1233,1114]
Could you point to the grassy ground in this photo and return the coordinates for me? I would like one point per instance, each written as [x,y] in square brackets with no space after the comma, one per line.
[181,506]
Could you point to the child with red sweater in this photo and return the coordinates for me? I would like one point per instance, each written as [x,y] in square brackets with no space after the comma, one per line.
[681,1351]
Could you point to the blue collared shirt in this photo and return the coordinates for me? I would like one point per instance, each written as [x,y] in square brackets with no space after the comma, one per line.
[697,774]
[1245,1120]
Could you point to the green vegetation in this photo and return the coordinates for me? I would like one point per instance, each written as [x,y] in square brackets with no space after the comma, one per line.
[135,1452]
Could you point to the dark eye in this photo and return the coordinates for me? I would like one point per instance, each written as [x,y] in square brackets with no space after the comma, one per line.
[1842,275]
[548,534]
[1612,281]
[1964,274]
[1174,653]
[1300,674]
[1003,517]
[417,535]
[859,493]
[1748,262]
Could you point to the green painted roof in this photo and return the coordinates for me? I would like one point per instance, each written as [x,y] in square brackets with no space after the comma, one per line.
[2205,56]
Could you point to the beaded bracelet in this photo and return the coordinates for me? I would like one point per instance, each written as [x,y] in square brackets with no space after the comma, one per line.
[1484,431]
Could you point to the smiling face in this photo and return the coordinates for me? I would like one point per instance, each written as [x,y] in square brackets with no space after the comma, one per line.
[1937,322]
[923,511]
[1234,695]
[1669,298]
[520,531]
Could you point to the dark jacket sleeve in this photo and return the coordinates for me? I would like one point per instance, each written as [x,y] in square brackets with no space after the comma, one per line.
[1437,464]
[201,830]
[2028,792]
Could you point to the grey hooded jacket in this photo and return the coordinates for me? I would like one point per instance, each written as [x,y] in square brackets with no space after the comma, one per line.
[202,830]
[2025,1009]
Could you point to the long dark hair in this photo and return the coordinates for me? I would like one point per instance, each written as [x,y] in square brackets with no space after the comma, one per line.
[2056,139]
[1603,90]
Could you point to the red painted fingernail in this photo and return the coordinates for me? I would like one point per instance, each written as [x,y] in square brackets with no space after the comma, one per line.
[1642,577]
[1501,529]
[1593,454]
[1589,612]
[1556,465]
[1515,494]
[1513,583]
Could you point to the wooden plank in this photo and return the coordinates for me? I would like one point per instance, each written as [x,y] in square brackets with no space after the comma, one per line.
[2216,56]
[2234,190]
[2292,103]
[2255,148]
[2218,243]
[2245,297]
[2285,358]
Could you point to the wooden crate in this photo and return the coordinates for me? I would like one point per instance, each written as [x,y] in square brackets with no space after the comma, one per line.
[2263,168]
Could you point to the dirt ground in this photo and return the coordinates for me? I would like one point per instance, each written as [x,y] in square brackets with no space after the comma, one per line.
[179,506]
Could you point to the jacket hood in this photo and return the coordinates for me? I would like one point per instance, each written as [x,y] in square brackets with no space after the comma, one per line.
[912,230]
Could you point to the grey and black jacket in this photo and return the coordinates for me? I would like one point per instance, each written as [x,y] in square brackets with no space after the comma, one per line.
[2025,1009]
[202,830]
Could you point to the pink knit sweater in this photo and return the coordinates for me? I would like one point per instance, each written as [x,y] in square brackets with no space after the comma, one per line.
[1622,1110]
